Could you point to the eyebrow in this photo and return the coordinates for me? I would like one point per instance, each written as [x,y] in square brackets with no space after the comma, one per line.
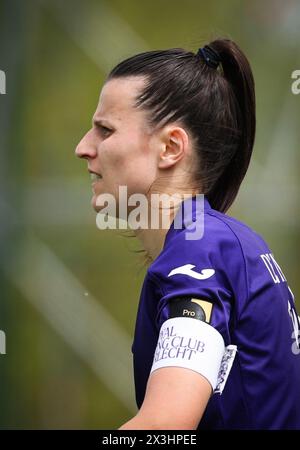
[100,122]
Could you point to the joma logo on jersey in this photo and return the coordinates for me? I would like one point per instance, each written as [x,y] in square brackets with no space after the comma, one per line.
[273,268]
[187,269]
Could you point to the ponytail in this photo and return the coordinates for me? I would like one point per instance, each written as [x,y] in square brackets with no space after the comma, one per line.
[237,72]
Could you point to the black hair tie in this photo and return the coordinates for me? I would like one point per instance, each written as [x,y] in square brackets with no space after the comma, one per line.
[210,56]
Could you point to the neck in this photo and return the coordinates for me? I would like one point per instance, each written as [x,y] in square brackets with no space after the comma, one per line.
[152,241]
[153,238]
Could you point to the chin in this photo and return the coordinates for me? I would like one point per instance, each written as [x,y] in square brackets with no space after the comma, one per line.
[96,207]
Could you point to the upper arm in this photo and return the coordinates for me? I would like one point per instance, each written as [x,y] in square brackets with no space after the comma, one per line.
[185,368]
[175,398]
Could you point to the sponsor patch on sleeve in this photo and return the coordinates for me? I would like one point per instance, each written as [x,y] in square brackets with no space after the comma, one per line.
[193,308]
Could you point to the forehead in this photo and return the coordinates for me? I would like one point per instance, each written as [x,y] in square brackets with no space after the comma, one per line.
[117,98]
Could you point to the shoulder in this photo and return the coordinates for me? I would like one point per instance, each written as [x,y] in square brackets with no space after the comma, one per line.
[220,239]
[217,267]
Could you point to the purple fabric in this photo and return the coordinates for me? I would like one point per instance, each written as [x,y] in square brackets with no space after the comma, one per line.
[250,311]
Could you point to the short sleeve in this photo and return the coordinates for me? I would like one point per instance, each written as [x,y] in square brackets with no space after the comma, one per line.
[211,302]
[205,276]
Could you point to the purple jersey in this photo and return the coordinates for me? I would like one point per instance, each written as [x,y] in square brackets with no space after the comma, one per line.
[253,309]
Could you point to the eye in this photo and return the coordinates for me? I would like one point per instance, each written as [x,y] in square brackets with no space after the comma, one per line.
[104,130]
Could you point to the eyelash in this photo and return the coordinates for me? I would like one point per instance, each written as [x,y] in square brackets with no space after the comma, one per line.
[104,129]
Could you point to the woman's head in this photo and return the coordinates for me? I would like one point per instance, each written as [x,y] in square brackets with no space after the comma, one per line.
[174,119]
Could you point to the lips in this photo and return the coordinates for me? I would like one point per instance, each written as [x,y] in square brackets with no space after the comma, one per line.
[95,176]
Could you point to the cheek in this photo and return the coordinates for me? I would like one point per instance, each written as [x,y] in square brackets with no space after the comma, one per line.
[128,160]
[140,173]
[110,156]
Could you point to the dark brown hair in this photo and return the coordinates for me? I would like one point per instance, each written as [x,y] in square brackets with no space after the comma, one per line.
[217,106]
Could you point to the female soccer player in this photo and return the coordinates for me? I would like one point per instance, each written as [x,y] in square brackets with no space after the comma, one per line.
[216,336]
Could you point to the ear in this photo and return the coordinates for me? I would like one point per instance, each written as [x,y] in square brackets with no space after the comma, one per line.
[174,146]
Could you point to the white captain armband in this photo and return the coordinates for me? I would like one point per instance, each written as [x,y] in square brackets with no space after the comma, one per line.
[187,340]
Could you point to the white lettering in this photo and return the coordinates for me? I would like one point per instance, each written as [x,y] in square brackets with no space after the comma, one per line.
[296,84]
[2,82]
[273,268]
[194,345]
[139,211]
[2,343]
[187,312]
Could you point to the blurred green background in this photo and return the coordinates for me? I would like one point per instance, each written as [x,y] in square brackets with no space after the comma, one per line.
[69,292]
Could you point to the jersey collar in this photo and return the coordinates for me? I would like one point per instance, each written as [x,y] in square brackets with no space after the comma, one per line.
[192,205]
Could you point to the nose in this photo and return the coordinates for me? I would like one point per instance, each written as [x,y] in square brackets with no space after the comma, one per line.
[86,148]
